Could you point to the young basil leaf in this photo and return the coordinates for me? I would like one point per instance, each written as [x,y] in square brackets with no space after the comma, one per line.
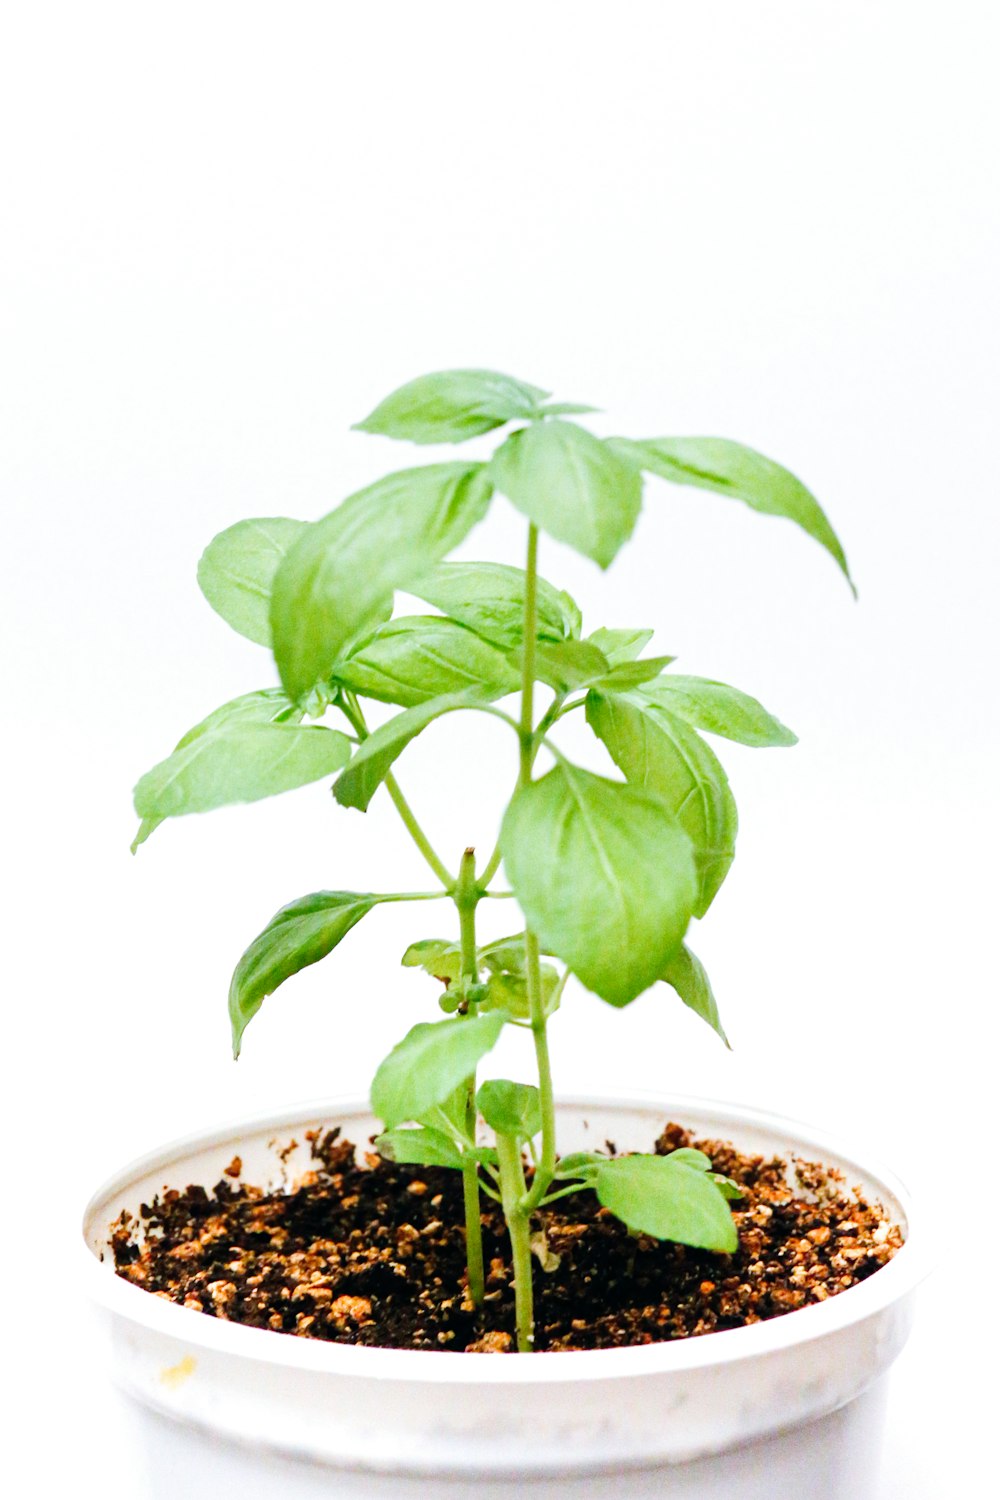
[452,406]
[567,665]
[729,468]
[629,674]
[659,751]
[245,750]
[686,975]
[510,1108]
[374,760]
[604,873]
[565,409]
[509,992]
[339,576]
[489,599]
[268,706]
[421,1145]
[620,645]
[729,1189]
[580,1164]
[691,1158]
[572,485]
[436,956]
[719,709]
[300,934]
[237,569]
[667,1199]
[419,657]
[429,1063]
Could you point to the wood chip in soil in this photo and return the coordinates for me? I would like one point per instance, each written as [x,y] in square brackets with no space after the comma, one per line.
[364,1251]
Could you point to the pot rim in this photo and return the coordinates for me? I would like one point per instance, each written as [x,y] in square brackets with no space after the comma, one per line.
[911,1263]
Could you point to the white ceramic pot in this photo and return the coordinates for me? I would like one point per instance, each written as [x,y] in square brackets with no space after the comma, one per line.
[789,1407]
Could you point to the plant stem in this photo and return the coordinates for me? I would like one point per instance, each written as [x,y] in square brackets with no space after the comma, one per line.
[466,896]
[527,728]
[512,1194]
[351,708]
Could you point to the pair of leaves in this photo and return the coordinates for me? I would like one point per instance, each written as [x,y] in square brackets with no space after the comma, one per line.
[674,1197]
[249,748]
[506,988]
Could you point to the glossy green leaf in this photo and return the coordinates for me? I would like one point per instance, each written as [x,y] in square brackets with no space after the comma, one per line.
[429,1063]
[489,599]
[374,760]
[729,468]
[605,875]
[510,1108]
[572,485]
[719,709]
[421,1145]
[620,645]
[667,1199]
[237,570]
[300,934]
[686,974]
[659,751]
[451,406]
[419,657]
[341,573]
[245,750]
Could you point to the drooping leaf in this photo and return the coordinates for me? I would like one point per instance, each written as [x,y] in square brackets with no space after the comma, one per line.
[620,645]
[732,469]
[451,406]
[489,599]
[340,574]
[374,760]
[659,751]
[572,485]
[718,709]
[429,1063]
[510,1108]
[686,974]
[247,749]
[605,875]
[418,657]
[667,1199]
[237,569]
[421,1144]
[300,934]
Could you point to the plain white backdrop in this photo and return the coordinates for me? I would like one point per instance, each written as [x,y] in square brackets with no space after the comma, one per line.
[228,230]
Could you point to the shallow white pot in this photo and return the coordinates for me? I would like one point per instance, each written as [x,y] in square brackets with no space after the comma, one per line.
[791,1407]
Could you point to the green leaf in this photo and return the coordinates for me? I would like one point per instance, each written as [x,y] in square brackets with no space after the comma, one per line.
[489,599]
[510,1108]
[422,1145]
[729,1189]
[429,1064]
[580,1164]
[685,974]
[341,573]
[374,760]
[620,645]
[629,674]
[691,1158]
[719,709]
[419,657]
[603,873]
[509,992]
[299,935]
[567,665]
[729,468]
[240,753]
[452,406]
[662,753]
[572,485]
[436,956]
[237,569]
[565,409]
[667,1199]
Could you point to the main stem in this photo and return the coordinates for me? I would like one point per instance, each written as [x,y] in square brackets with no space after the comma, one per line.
[466,897]
[518,1226]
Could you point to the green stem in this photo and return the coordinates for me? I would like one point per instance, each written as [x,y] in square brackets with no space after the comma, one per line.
[527,728]
[466,896]
[545,1171]
[351,709]
[512,1193]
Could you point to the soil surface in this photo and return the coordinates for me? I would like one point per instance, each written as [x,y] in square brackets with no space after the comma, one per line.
[364,1251]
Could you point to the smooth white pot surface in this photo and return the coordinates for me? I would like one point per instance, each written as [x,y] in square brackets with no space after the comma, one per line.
[409,1413]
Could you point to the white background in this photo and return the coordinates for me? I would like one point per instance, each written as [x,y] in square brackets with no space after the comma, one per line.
[231,229]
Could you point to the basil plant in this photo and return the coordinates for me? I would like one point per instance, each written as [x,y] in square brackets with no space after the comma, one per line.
[607,870]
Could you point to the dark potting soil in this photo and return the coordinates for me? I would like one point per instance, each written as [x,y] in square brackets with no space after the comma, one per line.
[364,1251]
